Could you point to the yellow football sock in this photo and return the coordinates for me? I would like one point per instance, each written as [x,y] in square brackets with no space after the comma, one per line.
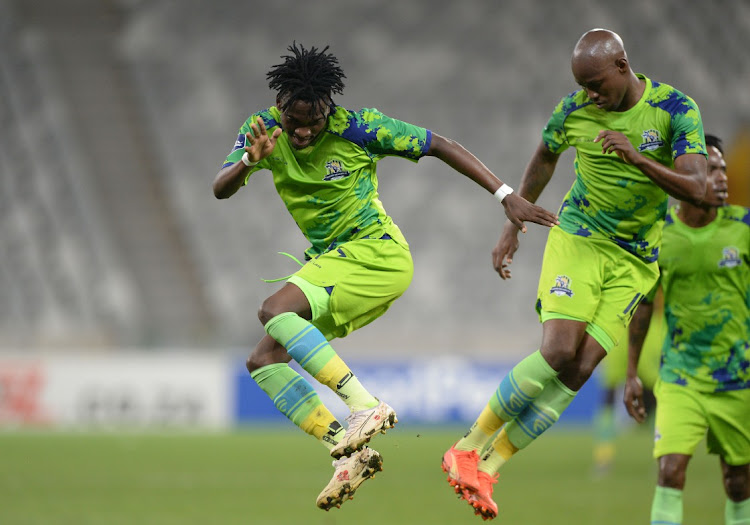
[496,456]
[339,378]
[481,431]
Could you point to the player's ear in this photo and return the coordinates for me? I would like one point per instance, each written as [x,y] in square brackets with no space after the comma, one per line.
[622,64]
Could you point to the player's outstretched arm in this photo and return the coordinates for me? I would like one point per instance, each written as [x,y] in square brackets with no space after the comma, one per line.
[538,173]
[517,209]
[633,395]
[258,145]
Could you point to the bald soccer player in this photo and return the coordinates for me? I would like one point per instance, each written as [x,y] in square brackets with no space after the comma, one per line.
[637,141]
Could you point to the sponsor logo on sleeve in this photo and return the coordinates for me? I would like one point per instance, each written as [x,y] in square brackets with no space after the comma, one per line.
[240,142]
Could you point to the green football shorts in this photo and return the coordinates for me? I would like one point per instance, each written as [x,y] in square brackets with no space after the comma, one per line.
[684,417]
[592,280]
[355,283]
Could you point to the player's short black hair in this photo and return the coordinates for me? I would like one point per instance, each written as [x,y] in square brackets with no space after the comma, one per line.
[307,75]
[716,142]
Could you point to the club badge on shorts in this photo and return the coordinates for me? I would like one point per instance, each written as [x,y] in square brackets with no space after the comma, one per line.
[562,286]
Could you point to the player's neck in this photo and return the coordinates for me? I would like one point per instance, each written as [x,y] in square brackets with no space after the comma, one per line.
[634,94]
[695,216]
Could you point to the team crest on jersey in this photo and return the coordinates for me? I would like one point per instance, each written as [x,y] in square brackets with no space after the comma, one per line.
[730,257]
[335,171]
[651,140]
[562,286]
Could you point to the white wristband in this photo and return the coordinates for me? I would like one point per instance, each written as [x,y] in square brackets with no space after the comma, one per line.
[502,192]
[246,161]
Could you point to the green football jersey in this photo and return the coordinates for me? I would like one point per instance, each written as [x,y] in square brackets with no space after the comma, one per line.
[705,275]
[330,187]
[609,197]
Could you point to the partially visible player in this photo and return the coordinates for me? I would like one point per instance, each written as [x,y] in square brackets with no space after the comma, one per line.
[703,390]
[323,159]
[611,377]
[636,141]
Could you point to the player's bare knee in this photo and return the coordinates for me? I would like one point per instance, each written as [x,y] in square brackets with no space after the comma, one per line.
[586,370]
[259,357]
[268,310]
[574,379]
[734,489]
[559,357]
[252,363]
[257,360]
[737,483]
[671,475]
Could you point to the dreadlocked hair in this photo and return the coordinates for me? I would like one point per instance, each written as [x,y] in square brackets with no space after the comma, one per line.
[307,75]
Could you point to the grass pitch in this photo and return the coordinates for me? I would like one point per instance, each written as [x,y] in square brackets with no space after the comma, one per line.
[272,476]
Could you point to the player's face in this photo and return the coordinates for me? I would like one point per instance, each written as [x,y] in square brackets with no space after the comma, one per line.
[604,84]
[303,122]
[717,174]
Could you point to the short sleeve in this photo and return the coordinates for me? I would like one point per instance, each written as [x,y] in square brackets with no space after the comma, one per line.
[687,129]
[553,134]
[381,135]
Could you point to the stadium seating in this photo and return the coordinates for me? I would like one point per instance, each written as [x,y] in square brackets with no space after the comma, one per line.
[485,73]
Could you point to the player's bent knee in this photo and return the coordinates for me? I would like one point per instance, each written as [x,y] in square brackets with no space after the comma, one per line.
[586,370]
[671,473]
[252,364]
[735,490]
[268,310]
[737,483]
[574,380]
[559,358]
[255,361]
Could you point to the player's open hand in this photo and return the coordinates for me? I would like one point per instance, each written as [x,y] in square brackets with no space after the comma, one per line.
[259,144]
[518,210]
[617,143]
[502,254]
[633,399]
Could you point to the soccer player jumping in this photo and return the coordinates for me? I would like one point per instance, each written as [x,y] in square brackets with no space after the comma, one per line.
[323,159]
[636,141]
[703,388]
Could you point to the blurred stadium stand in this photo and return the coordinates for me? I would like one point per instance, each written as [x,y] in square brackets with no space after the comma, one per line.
[116,115]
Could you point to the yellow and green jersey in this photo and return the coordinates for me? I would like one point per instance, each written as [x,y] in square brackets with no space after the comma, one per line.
[610,198]
[705,276]
[331,187]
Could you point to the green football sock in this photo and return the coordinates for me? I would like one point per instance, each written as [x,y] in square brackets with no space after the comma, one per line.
[666,508]
[540,414]
[604,437]
[295,398]
[737,513]
[307,345]
[517,389]
[604,424]
[521,386]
